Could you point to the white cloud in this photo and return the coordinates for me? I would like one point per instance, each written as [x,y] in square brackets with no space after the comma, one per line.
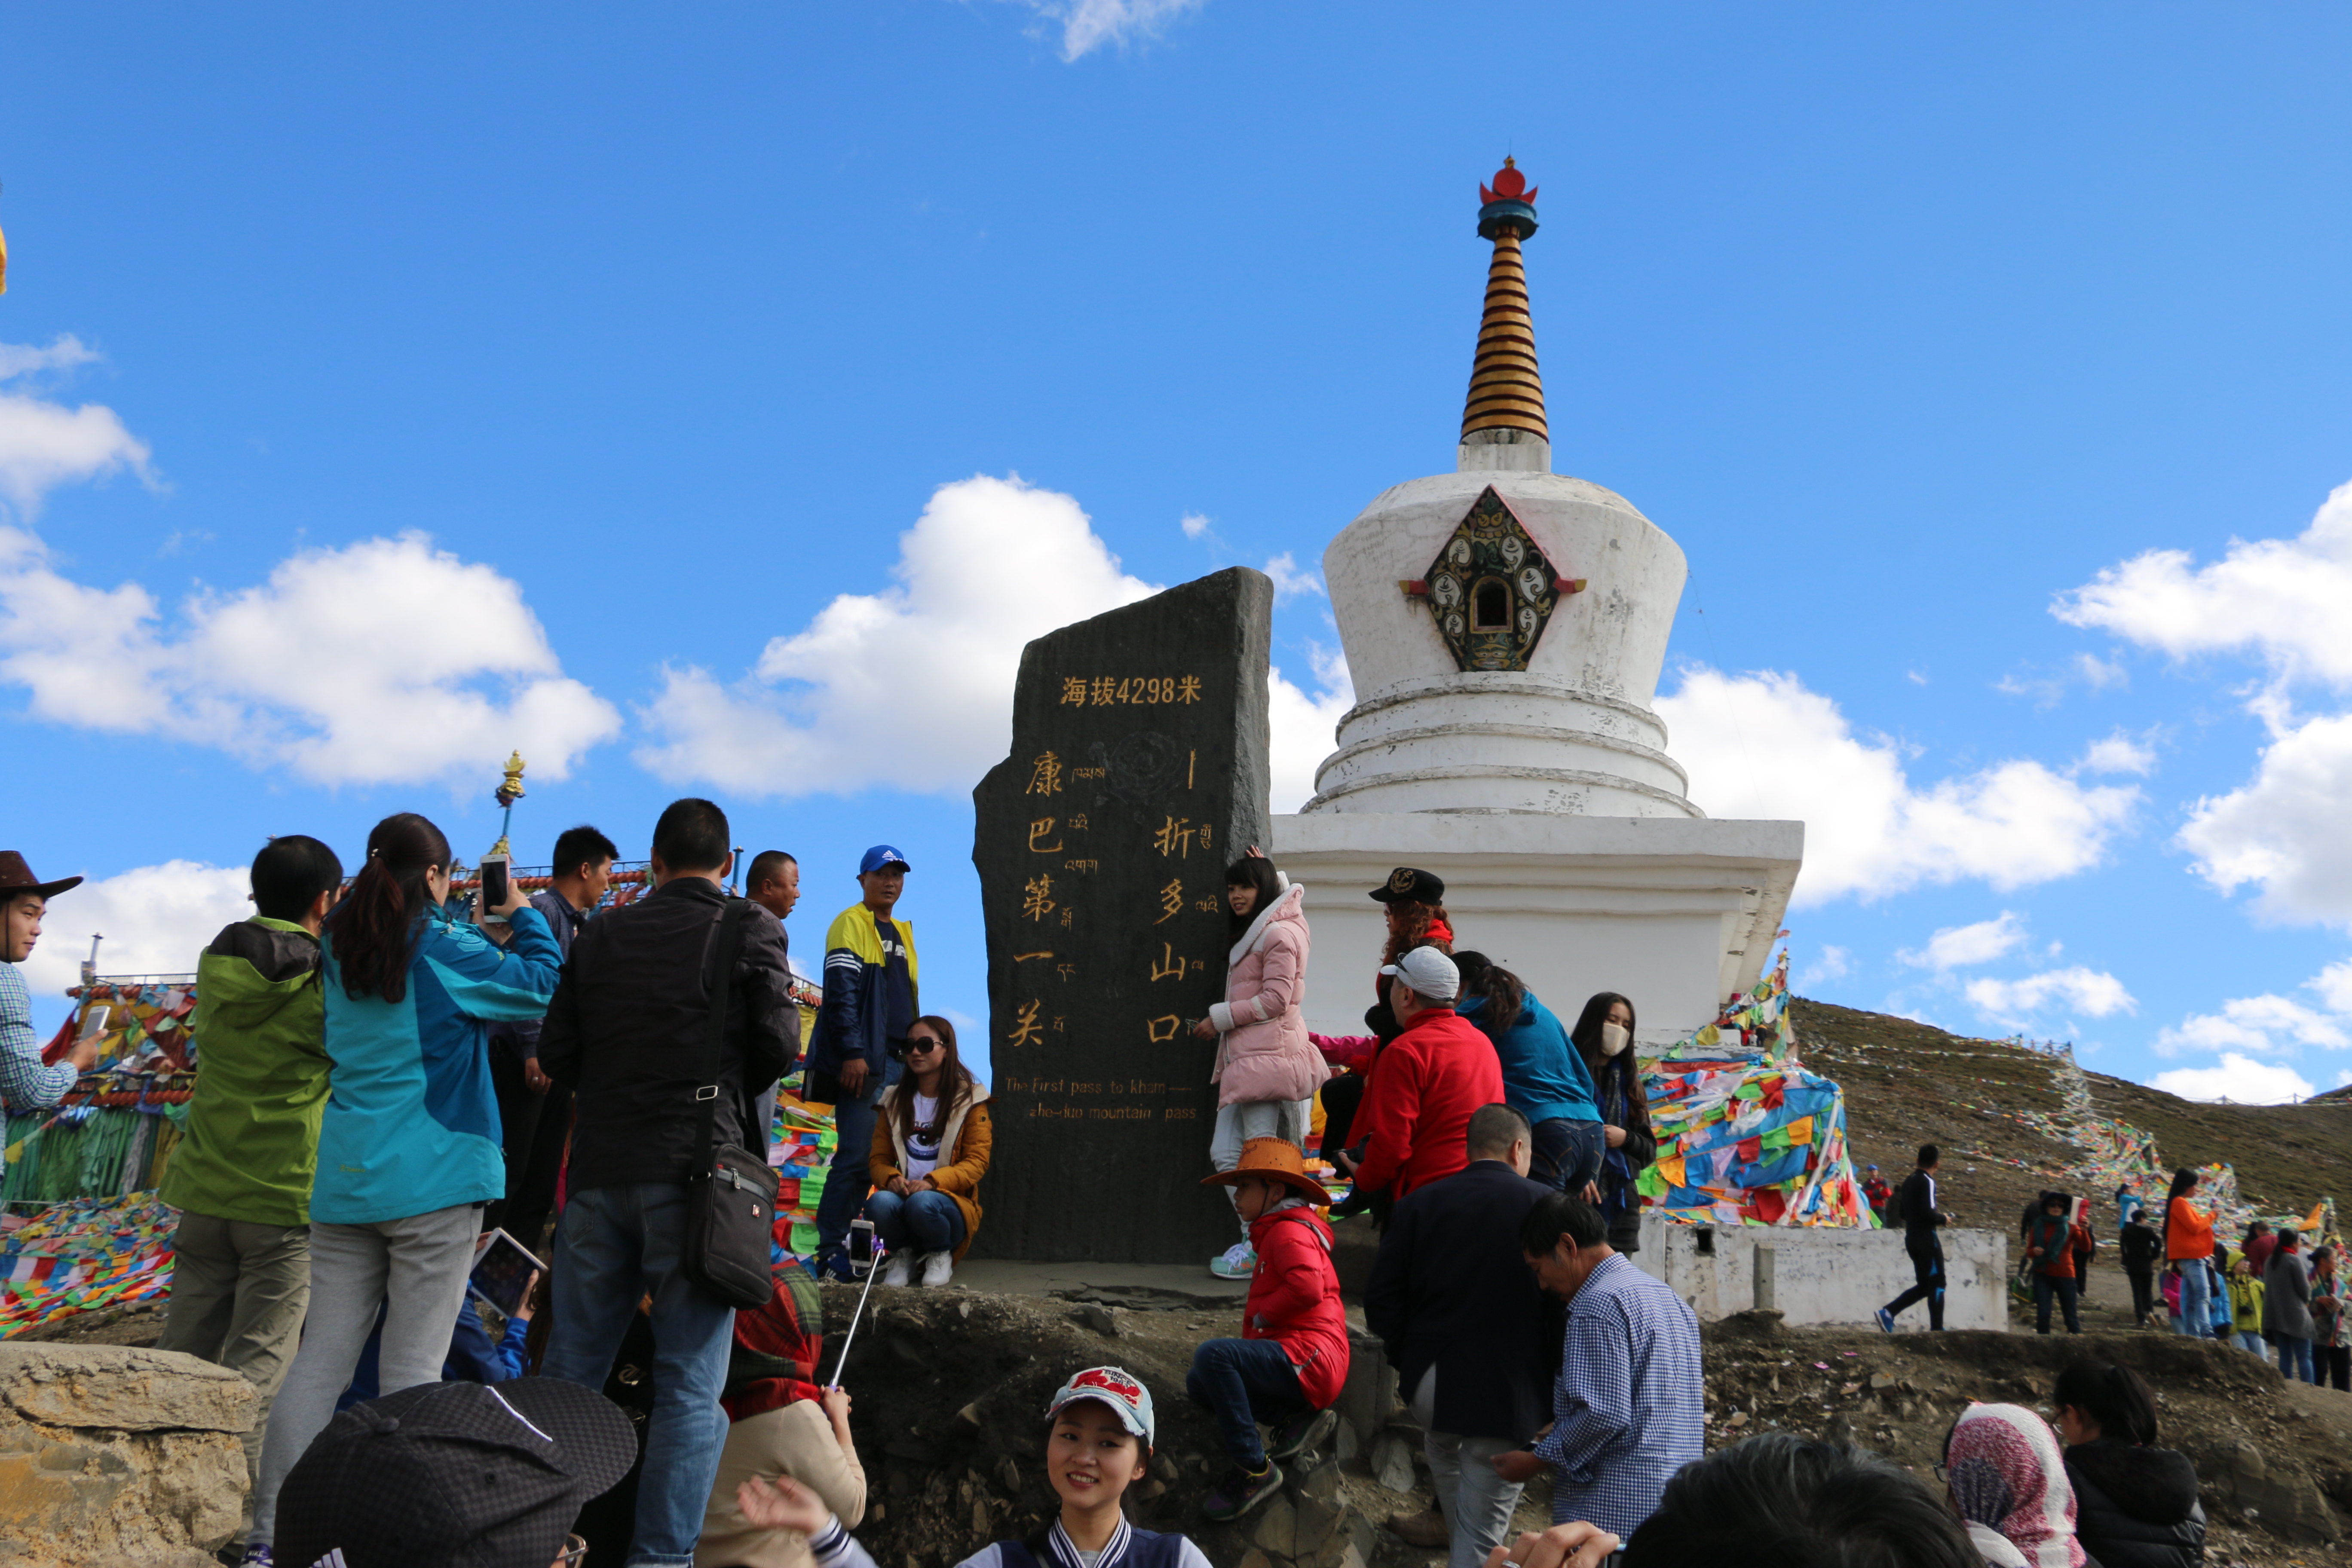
[2118,754]
[1290,582]
[2098,674]
[1089,25]
[386,661]
[1194,525]
[2266,1023]
[1831,964]
[1762,745]
[44,443]
[155,919]
[1958,947]
[911,688]
[2285,830]
[2289,600]
[2089,991]
[1303,726]
[2238,1079]
[2334,984]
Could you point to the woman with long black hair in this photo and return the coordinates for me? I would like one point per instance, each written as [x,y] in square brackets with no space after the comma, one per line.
[931,1145]
[409,1152]
[1604,1038]
[1544,1076]
[2188,1244]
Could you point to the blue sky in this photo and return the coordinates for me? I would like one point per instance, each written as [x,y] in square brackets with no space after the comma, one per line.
[392,386]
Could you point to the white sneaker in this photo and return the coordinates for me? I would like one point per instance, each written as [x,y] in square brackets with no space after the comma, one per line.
[897,1270]
[937,1268]
[1239,1262]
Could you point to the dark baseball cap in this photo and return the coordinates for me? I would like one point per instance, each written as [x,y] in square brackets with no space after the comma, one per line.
[1407,885]
[451,1474]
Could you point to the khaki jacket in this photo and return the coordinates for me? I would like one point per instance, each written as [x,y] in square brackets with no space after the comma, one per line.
[964,1145]
[794,1440]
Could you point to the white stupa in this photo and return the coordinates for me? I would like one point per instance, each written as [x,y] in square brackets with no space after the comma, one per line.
[1505,627]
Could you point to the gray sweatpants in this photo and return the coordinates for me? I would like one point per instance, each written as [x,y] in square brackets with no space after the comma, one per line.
[416,1268]
[238,1291]
[1476,1503]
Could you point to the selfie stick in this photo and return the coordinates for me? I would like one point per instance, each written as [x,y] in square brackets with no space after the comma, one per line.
[880,1253]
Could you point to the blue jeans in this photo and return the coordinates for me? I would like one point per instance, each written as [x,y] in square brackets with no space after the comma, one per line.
[927,1222]
[2295,1358]
[846,1183]
[2196,1315]
[2249,1341]
[1567,1153]
[612,1247]
[1243,1383]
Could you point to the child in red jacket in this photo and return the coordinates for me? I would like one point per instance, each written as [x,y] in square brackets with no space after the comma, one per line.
[1291,1361]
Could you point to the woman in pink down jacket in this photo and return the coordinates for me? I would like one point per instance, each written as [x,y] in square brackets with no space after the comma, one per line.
[1267,1068]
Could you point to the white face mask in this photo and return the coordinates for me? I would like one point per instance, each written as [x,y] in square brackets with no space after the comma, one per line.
[1613,1039]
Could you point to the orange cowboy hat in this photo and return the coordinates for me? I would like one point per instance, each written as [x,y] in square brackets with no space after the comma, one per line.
[1275,1160]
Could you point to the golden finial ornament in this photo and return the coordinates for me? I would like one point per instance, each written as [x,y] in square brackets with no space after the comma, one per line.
[509,791]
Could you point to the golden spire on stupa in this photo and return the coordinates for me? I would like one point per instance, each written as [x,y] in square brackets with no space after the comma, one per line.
[1505,389]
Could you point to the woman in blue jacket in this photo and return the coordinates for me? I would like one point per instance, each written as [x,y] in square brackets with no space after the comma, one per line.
[1544,1077]
[409,1150]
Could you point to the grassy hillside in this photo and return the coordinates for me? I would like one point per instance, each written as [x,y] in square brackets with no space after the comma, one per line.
[1908,1084]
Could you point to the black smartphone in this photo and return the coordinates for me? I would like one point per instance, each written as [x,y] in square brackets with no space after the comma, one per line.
[503,1271]
[861,1247]
[494,887]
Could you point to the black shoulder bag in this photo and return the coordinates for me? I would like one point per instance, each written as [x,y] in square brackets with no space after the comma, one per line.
[731,1204]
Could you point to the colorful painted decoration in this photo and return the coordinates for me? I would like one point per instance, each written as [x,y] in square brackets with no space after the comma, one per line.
[1492,590]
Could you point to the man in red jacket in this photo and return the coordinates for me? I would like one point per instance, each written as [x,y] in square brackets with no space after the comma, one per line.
[1417,1109]
[1290,1365]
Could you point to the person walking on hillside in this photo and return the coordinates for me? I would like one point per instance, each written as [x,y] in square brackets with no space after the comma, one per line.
[2286,1308]
[26,1085]
[2331,1355]
[932,1140]
[534,1113]
[1428,1081]
[2142,1247]
[1876,1191]
[1604,1040]
[2188,1243]
[2049,1246]
[1467,1329]
[241,1174]
[1923,1223]
[630,1034]
[1544,1079]
[872,998]
[408,1151]
[1266,1068]
[1628,1405]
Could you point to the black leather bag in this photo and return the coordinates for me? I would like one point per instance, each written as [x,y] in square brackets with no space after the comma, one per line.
[731,1204]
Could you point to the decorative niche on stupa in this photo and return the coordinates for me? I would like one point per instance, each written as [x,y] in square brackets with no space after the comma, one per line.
[1491,590]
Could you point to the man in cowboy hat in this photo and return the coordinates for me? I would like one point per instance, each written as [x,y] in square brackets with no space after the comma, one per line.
[1291,1361]
[24,1084]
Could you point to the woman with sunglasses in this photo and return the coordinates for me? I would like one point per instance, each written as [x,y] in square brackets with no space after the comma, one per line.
[931,1139]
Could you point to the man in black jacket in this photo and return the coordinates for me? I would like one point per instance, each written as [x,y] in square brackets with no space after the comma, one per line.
[629,1033]
[1474,1342]
[1921,1222]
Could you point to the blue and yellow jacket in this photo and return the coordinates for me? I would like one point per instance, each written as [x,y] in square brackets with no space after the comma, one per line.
[412,1122]
[856,1017]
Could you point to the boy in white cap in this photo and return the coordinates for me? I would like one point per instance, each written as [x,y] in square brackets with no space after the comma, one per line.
[1098,1446]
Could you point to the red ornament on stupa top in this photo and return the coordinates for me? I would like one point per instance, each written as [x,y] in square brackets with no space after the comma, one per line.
[1510,185]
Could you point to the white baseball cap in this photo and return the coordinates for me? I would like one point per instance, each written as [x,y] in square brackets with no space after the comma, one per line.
[1429,972]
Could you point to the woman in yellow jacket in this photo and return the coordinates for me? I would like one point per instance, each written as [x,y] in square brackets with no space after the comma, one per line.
[931,1141]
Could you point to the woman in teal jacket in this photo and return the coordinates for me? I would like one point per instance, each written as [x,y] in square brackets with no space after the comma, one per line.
[409,1150]
[1544,1076]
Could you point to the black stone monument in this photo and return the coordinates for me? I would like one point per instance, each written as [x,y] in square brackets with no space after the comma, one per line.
[1138,772]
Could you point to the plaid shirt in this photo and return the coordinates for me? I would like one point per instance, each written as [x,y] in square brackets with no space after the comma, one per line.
[1629,1403]
[24,1084]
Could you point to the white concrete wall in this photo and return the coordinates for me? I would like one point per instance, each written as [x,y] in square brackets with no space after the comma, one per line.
[1677,914]
[1822,1275]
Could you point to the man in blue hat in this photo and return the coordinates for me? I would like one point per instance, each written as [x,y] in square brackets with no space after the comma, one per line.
[870,1005]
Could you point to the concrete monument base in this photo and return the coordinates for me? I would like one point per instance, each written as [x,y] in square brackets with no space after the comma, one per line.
[1820,1274]
[1678,913]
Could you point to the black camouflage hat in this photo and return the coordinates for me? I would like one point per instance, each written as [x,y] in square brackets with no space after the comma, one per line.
[446,1474]
[1407,885]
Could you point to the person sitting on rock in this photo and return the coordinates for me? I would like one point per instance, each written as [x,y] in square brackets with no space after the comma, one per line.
[1289,1366]
[1098,1446]
[931,1144]
[2134,1504]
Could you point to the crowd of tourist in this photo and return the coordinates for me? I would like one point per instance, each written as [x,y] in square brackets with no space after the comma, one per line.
[386,1084]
